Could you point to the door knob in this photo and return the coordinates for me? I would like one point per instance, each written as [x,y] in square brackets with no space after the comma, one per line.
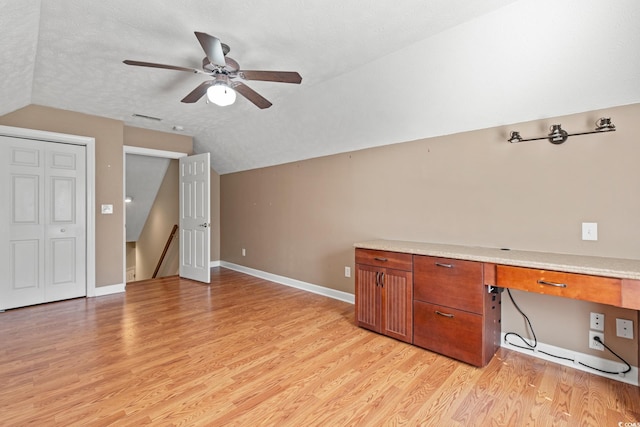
[205,225]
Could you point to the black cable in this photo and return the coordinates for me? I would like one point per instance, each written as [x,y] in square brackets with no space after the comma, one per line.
[535,339]
[535,344]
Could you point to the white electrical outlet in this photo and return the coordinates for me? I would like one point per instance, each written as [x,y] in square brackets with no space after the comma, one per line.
[589,231]
[347,271]
[624,328]
[597,321]
[244,252]
[595,344]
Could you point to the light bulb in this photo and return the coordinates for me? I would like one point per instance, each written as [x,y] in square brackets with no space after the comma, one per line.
[221,94]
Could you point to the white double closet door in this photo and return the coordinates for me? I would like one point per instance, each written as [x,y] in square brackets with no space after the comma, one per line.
[42,222]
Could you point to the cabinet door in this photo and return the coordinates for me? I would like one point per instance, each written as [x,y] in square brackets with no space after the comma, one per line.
[368,298]
[397,306]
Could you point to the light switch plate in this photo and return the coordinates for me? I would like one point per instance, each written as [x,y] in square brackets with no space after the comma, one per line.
[107,209]
[589,231]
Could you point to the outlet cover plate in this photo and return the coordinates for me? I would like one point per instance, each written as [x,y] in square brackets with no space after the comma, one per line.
[594,344]
[597,321]
[624,328]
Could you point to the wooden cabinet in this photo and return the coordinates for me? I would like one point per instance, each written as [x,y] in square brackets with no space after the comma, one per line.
[454,314]
[384,293]
[436,303]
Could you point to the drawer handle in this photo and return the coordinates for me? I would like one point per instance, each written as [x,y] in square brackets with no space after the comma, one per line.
[450,316]
[440,264]
[381,259]
[557,285]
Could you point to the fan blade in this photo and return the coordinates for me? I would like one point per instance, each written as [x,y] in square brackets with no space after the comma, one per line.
[271,76]
[198,92]
[212,47]
[154,65]
[251,95]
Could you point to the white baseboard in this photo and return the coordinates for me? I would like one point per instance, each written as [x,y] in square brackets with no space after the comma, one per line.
[630,377]
[214,263]
[108,290]
[309,287]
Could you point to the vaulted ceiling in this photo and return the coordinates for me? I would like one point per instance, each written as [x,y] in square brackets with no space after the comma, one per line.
[374,72]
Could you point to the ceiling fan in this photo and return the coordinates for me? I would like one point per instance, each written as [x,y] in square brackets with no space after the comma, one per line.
[224,70]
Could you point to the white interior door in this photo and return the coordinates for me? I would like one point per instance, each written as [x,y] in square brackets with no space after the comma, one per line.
[42,222]
[195,218]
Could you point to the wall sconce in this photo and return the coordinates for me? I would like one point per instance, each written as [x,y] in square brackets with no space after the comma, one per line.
[128,199]
[557,135]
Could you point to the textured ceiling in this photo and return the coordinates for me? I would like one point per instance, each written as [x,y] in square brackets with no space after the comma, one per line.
[374,72]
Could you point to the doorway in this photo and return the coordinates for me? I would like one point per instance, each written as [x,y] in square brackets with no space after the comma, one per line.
[142,256]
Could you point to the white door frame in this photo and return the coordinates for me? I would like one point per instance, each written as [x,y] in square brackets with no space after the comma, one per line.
[129,149]
[90,144]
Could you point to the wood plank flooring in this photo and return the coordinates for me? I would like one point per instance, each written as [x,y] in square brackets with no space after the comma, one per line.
[247,352]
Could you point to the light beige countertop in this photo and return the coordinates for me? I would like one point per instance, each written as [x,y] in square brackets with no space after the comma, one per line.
[596,266]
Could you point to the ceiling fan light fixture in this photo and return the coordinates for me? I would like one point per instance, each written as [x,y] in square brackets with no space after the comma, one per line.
[221,94]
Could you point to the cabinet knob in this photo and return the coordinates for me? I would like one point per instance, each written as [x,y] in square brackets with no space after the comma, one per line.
[381,259]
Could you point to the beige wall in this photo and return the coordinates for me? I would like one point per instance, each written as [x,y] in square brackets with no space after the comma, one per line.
[157,140]
[131,254]
[300,220]
[163,215]
[110,138]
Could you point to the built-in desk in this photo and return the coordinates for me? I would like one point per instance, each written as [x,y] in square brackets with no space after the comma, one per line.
[590,272]
[447,295]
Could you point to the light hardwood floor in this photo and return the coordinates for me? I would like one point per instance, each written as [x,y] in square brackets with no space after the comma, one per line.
[244,351]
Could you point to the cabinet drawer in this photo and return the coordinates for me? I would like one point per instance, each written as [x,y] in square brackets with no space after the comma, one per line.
[603,290]
[454,333]
[449,282]
[395,260]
